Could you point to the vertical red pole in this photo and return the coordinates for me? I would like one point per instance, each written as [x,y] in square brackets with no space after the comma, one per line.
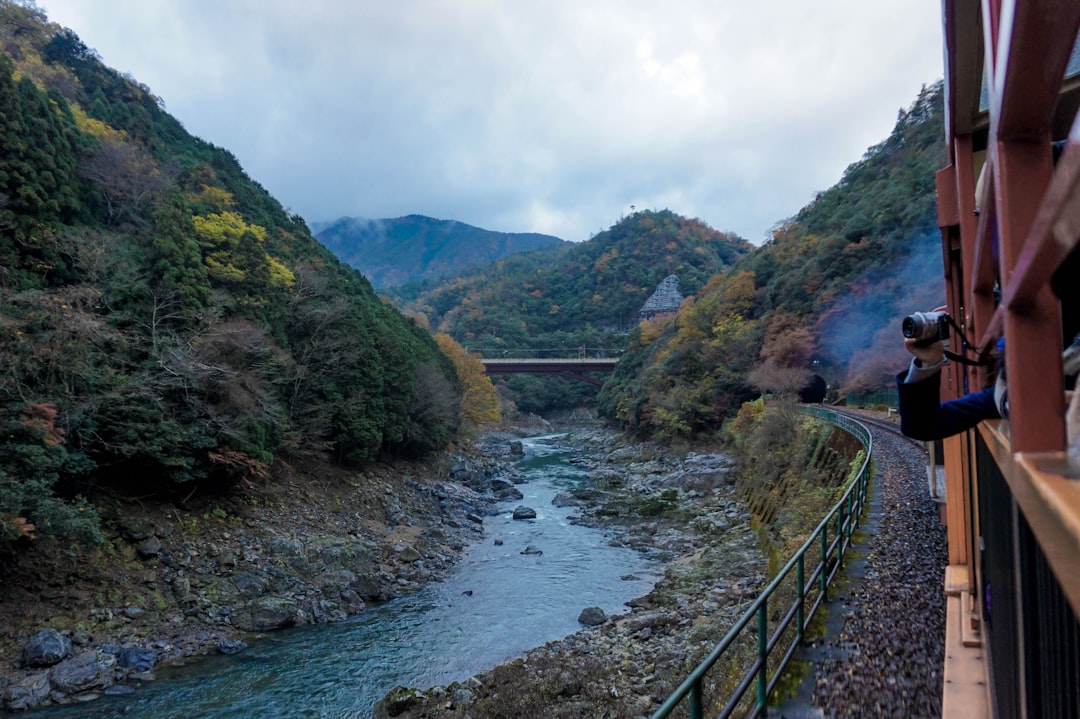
[1032,330]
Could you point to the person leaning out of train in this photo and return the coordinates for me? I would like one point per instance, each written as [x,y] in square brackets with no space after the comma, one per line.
[924,416]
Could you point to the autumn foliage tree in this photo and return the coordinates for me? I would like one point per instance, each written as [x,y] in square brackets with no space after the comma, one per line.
[784,382]
[824,294]
[33,460]
[479,403]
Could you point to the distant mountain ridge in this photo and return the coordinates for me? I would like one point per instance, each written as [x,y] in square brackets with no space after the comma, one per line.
[393,252]
[599,283]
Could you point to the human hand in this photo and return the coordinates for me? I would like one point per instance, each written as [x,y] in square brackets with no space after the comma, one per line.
[927,355]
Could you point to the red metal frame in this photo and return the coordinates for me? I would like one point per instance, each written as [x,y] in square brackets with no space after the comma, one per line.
[1026,47]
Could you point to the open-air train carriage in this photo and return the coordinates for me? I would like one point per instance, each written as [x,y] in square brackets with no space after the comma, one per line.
[1012,76]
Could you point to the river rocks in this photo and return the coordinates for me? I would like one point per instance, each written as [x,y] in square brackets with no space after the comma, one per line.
[92,671]
[579,496]
[407,554]
[682,509]
[46,648]
[26,693]
[517,449]
[505,491]
[135,659]
[532,550]
[266,614]
[592,616]
[524,512]
[231,646]
[397,701]
[563,499]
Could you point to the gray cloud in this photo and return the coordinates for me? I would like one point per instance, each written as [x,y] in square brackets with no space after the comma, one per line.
[548,117]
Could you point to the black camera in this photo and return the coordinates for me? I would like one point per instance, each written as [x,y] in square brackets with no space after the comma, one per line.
[926,327]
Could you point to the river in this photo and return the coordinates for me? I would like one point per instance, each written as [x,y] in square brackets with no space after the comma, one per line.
[494,606]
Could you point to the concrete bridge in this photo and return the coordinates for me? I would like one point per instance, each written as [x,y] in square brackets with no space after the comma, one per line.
[578,368]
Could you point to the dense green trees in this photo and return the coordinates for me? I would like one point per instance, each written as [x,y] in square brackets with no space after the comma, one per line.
[165,326]
[584,295]
[600,283]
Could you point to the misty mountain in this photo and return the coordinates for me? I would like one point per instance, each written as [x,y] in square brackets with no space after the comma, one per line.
[392,252]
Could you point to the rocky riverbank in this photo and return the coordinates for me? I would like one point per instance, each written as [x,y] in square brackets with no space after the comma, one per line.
[683,506]
[320,544]
[176,580]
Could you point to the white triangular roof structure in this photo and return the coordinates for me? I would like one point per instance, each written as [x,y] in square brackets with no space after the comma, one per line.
[666,299]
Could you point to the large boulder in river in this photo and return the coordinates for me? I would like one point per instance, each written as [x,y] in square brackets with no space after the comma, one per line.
[592,616]
[524,512]
[27,692]
[266,614]
[46,648]
[563,499]
[504,490]
[92,671]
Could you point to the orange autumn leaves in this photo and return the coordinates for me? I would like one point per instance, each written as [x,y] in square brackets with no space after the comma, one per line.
[479,403]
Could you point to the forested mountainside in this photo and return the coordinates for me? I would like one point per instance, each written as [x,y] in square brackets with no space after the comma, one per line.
[574,295]
[397,251]
[825,296]
[576,290]
[165,326]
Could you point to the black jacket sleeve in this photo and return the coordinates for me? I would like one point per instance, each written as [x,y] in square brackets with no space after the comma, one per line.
[923,416]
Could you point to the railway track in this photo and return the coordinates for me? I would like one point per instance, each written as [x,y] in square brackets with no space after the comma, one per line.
[875,421]
[883,653]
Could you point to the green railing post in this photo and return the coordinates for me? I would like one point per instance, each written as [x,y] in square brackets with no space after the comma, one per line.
[824,576]
[840,536]
[697,703]
[800,579]
[763,654]
[847,509]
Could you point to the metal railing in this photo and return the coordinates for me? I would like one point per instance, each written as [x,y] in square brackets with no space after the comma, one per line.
[885,397]
[844,517]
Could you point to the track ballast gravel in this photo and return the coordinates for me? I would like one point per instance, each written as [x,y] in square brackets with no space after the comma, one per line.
[883,651]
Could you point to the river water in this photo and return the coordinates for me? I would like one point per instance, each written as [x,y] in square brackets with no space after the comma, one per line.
[496,604]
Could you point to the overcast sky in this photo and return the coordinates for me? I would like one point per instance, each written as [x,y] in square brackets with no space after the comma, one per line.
[550,116]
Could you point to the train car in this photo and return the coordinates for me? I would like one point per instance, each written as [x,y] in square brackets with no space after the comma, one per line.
[1009,211]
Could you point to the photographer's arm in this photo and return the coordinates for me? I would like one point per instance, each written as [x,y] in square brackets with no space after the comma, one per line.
[926,362]
[922,415]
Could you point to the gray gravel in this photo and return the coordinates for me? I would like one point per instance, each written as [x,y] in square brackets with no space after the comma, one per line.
[884,650]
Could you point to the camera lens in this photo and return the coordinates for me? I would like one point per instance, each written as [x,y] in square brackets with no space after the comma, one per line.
[910,326]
